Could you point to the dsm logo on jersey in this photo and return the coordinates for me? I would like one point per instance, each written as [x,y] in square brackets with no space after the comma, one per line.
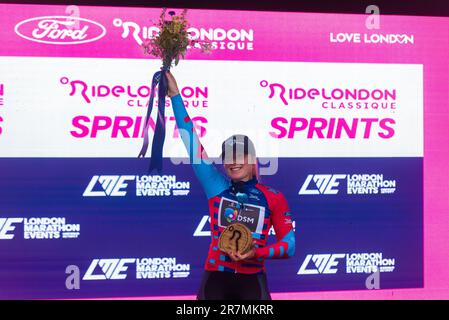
[202,229]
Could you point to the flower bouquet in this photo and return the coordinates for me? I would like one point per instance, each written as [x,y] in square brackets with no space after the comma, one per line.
[170,44]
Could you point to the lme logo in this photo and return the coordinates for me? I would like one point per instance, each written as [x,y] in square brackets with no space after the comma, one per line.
[321,184]
[114,186]
[7,227]
[103,269]
[320,263]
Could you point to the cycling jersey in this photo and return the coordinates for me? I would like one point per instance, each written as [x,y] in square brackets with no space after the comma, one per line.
[251,203]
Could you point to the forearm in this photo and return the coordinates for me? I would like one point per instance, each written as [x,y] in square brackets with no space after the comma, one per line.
[212,181]
[186,128]
[284,248]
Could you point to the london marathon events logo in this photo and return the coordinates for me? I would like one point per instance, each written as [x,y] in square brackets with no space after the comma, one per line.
[356,184]
[145,268]
[60,30]
[39,228]
[331,263]
[145,186]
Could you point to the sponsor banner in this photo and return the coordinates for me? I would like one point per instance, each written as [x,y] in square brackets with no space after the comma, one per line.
[80,108]
[334,107]
[148,185]
[355,263]
[88,31]
[39,228]
[131,245]
[327,184]
[145,268]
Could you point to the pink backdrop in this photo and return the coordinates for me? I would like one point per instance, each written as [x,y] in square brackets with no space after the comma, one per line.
[308,40]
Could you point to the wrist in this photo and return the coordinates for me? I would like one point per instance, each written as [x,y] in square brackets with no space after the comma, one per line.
[173,93]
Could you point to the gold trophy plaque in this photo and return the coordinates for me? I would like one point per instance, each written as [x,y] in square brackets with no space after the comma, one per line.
[237,238]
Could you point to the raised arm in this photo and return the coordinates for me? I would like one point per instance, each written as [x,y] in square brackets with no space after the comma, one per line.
[211,179]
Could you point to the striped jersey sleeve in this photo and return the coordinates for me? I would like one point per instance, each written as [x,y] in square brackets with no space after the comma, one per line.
[283,226]
[212,181]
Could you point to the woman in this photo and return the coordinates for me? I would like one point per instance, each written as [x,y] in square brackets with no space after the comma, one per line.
[235,198]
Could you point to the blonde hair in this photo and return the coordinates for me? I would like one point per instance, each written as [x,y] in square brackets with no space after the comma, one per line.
[256,170]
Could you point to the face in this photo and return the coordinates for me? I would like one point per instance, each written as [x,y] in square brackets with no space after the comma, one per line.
[240,170]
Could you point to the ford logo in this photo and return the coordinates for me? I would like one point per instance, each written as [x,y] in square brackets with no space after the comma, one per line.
[60,30]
